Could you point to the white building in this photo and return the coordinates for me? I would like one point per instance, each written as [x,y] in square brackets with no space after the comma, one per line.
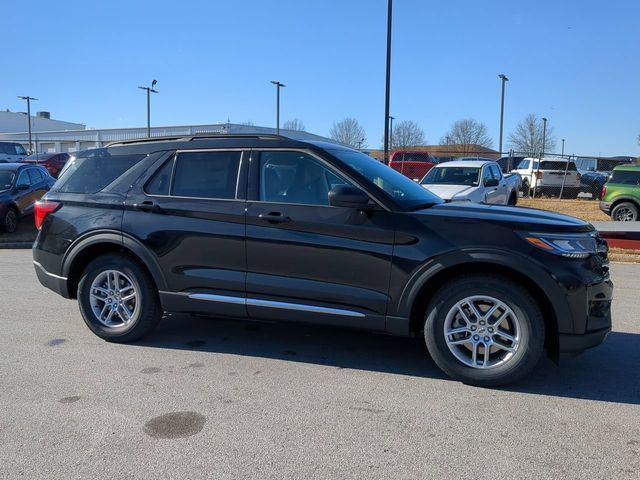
[73,140]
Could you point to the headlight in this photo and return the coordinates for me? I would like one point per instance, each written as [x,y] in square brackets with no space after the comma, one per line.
[567,245]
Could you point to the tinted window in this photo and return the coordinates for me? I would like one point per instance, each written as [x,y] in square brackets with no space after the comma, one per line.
[35,175]
[93,170]
[159,184]
[625,177]
[557,165]
[294,177]
[524,164]
[19,149]
[23,178]
[454,176]
[206,174]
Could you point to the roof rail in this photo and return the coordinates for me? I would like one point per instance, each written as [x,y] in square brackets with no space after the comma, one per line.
[187,138]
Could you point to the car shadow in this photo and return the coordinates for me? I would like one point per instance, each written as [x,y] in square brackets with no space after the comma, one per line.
[607,373]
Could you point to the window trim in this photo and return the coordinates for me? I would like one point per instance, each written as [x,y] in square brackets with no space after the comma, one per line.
[174,158]
[319,159]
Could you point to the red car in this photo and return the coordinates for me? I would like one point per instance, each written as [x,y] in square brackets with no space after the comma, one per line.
[53,162]
[412,164]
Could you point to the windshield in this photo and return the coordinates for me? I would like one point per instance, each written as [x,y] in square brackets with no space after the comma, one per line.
[6,180]
[404,191]
[452,176]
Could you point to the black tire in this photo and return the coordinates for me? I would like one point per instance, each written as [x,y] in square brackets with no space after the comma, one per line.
[625,212]
[526,190]
[10,220]
[522,304]
[513,199]
[147,313]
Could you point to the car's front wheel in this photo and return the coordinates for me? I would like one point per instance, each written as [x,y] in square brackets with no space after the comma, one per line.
[118,299]
[484,330]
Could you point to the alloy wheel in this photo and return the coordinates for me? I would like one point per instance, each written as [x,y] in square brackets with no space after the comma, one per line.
[113,299]
[624,214]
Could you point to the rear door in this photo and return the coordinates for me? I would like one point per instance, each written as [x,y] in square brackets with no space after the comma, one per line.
[191,215]
[306,260]
[39,185]
[24,192]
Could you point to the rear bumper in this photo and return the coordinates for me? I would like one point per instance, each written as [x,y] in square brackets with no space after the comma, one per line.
[53,282]
[606,207]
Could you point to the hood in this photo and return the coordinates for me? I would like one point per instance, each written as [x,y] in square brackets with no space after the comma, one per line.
[515,217]
[450,192]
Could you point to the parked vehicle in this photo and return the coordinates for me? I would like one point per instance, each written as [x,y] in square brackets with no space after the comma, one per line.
[412,164]
[20,187]
[596,171]
[554,175]
[621,194]
[53,162]
[272,228]
[592,183]
[479,181]
[508,164]
[11,152]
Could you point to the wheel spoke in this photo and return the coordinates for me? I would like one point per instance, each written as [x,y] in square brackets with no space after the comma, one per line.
[127,314]
[491,311]
[487,353]
[504,347]
[475,310]
[474,353]
[502,334]
[460,341]
[128,297]
[100,289]
[457,330]
[98,297]
[110,315]
[463,315]
[501,319]
[104,308]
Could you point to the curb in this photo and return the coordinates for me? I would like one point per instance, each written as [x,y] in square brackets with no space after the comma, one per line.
[13,245]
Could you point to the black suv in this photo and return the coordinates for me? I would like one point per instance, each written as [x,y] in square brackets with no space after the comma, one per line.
[267,227]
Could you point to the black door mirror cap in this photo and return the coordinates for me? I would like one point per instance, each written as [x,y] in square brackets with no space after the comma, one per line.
[348,197]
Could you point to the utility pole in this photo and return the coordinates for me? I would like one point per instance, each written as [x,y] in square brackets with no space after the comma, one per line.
[278,87]
[149,90]
[28,99]
[391,119]
[388,83]
[504,79]
[544,140]
[562,148]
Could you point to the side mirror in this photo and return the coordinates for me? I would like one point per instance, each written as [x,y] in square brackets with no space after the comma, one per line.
[491,182]
[348,197]
[23,186]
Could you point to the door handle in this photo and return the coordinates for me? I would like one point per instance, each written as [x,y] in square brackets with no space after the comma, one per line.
[274,217]
[147,206]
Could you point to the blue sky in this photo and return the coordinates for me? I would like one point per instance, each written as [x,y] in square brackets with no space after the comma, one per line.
[576,62]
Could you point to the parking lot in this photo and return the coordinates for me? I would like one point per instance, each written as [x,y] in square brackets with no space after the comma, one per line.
[280,401]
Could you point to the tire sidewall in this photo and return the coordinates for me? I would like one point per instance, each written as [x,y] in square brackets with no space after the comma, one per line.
[95,268]
[522,305]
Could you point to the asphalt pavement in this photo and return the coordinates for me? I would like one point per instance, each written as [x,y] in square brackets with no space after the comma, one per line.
[205,398]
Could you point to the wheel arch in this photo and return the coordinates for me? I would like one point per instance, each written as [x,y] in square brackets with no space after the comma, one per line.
[620,200]
[86,249]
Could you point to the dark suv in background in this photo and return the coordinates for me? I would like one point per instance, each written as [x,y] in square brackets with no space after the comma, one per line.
[272,228]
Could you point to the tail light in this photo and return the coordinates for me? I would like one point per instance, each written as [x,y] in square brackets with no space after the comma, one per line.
[604,191]
[43,208]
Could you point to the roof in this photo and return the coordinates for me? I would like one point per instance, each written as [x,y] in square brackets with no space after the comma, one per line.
[627,168]
[12,166]
[464,163]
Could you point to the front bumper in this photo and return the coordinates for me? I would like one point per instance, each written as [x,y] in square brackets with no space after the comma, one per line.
[53,282]
[578,343]
[606,207]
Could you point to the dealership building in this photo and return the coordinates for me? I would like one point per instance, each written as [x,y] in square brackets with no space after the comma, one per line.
[48,135]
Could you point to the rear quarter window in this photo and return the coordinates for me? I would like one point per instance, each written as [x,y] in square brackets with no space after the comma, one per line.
[93,170]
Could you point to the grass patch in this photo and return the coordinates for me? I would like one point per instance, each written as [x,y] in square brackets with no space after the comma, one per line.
[622,255]
[588,210]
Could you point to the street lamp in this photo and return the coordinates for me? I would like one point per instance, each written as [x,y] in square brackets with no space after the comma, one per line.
[391,119]
[278,87]
[504,79]
[28,99]
[149,90]
[388,82]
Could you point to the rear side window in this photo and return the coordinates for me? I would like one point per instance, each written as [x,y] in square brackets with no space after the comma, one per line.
[554,165]
[93,170]
[36,175]
[206,174]
[625,177]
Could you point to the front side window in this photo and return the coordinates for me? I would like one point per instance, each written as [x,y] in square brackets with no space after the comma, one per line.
[23,178]
[206,174]
[35,175]
[495,171]
[295,177]
[455,176]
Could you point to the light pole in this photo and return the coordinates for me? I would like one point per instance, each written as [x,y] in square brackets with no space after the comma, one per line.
[388,82]
[278,87]
[544,140]
[149,90]
[504,79]
[562,155]
[391,119]
[28,99]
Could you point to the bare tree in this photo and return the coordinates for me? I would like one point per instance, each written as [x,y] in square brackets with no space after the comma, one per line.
[294,124]
[526,139]
[248,123]
[465,134]
[350,132]
[407,134]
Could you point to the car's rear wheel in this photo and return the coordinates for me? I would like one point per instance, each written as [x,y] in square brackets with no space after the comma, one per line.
[624,212]
[10,220]
[118,299]
[484,330]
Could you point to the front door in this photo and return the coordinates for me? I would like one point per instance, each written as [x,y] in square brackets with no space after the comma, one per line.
[306,260]
[191,215]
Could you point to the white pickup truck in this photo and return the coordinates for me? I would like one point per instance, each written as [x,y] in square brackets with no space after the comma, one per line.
[479,181]
[554,174]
